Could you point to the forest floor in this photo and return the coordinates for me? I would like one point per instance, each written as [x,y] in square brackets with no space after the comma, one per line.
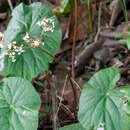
[95,50]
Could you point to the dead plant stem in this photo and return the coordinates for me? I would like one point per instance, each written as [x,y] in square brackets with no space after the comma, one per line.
[69,76]
[99,22]
[74,38]
[10,5]
[62,94]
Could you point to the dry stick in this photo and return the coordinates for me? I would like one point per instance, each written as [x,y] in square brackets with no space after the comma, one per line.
[74,39]
[65,83]
[99,22]
[10,4]
[54,101]
[56,59]
[65,69]
[77,85]
[50,115]
[73,53]
[115,12]
[54,106]
[69,76]
[67,111]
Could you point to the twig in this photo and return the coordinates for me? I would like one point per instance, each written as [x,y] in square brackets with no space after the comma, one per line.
[62,94]
[10,4]
[54,102]
[69,76]
[74,39]
[56,59]
[77,85]
[54,105]
[115,12]
[99,22]
[67,111]
[50,115]
[73,56]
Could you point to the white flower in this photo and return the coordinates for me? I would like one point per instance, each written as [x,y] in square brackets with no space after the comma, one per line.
[20,49]
[14,42]
[13,57]
[14,47]
[43,43]
[39,23]
[19,53]
[16,50]
[13,60]
[36,43]
[13,53]
[9,46]
[48,24]
[26,37]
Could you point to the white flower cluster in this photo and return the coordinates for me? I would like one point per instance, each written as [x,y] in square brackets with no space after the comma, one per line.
[48,24]
[34,43]
[1,40]
[13,49]
[26,37]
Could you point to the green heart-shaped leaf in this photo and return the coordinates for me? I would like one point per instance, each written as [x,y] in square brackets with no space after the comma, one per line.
[27,20]
[101,105]
[19,105]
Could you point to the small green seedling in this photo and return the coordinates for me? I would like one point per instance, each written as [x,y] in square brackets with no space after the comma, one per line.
[127,40]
